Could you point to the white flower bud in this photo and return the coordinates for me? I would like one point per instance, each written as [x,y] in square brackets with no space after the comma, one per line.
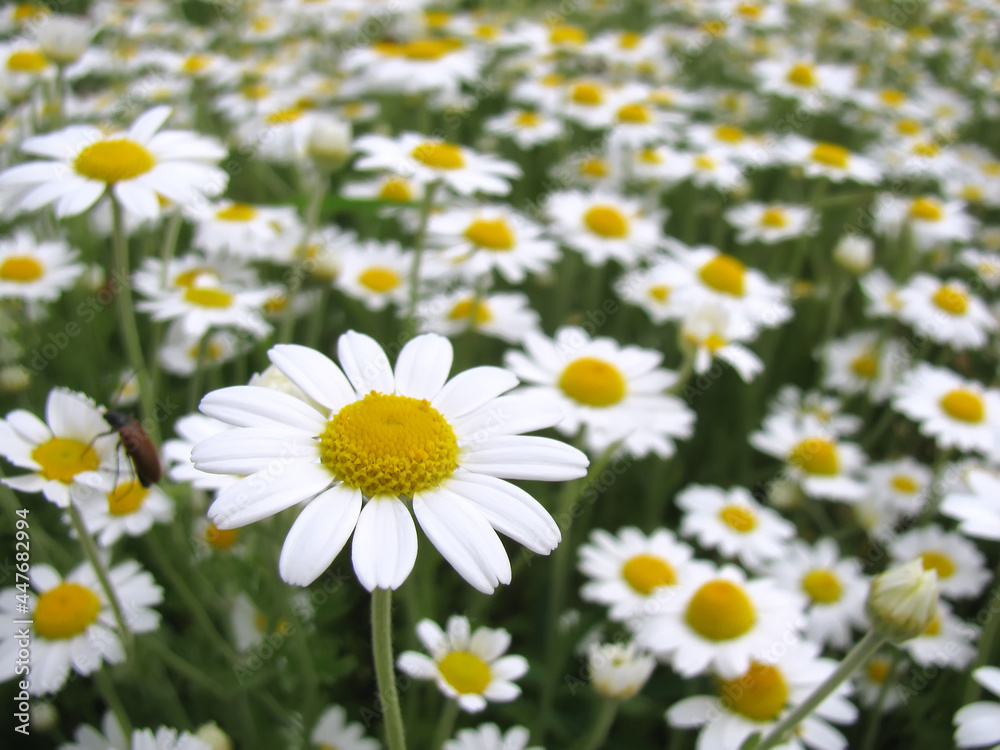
[64,39]
[617,670]
[854,252]
[902,601]
[214,737]
[329,142]
[14,378]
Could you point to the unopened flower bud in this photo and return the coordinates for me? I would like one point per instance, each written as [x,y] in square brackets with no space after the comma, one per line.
[14,378]
[214,737]
[902,601]
[618,670]
[854,252]
[64,39]
[329,142]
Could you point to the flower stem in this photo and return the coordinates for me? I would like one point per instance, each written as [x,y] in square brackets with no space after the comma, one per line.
[446,723]
[395,734]
[107,690]
[426,206]
[858,655]
[604,717]
[875,719]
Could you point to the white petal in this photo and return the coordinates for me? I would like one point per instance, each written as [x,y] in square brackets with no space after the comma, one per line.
[148,123]
[423,366]
[138,199]
[28,426]
[471,389]
[417,665]
[80,199]
[318,534]
[70,415]
[364,363]
[267,492]
[253,406]
[508,415]
[247,450]
[385,544]
[525,457]
[314,373]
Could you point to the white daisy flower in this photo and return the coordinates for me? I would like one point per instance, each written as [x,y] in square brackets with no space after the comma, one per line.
[947,641]
[931,222]
[870,681]
[136,166]
[986,265]
[960,566]
[710,168]
[36,271]
[771,223]
[902,485]
[73,625]
[733,523]
[181,354]
[468,667]
[714,333]
[380,437]
[818,86]
[417,66]
[72,455]
[830,160]
[813,406]
[718,620]
[245,231]
[758,698]
[192,429]
[946,312]
[978,510]
[955,412]
[129,509]
[376,273]
[862,363]
[882,295]
[489,737]
[526,128]
[978,724]
[615,394]
[629,568]
[506,316]
[333,730]
[111,737]
[834,586]
[652,289]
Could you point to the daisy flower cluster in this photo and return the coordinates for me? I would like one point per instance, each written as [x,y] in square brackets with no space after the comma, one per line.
[484,376]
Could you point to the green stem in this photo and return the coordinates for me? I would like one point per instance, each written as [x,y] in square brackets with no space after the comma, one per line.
[426,206]
[170,236]
[395,734]
[446,723]
[107,690]
[94,558]
[197,377]
[875,718]
[299,269]
[858,655]
[126,318]
[986,641]
[603,719]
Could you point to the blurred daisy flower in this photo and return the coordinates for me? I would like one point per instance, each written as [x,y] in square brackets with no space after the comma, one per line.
[36,271]
[244,230]
[978,510]
[489,737]
[526,128]
[946,312]
[771,223]
[830,160]
[333,730]
[385,443]
[618,670]
[111,737]
[507,315]
[978,724]
[468,667]
[376,273]
[128,510]
[931,222]
[715,334]
[960,566]
[947,641]
[862,363]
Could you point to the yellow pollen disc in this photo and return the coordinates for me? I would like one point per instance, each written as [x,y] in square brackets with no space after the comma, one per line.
[935,627]
[991,168]
[720,611]
[926,209]
[760,694]
[187,278]
[262,24]
[62,459]
[817,456]
[636,113]
[492,234]
[606,221]
[594,168]
[822,586]
[593,382]
[126,498]
[551,80]
[65,611]
[725,274]
[714,28]
[380,279]
[237,212]
[570,35]
[660,292]
[435,19]
[439,155]
[487,32]
[629,40]
[938,561]
[802,75]
[208,297]
[729,134]
[739,518]
[865,366]
[196,63]
[26,12]
[906,484]
[892,97]
[389,445]
[714,342]
[429,49]
[463,311]
[705,163]
[22,268]
[774,217]
[465,672]
[908,127]
[589,94]
[951,299]
[260,622]
[27,61]
[528,120]
[113,161]
[650,156]
[255,91]
[396,189]
[285,116]
[647,572]
[878,669]
[972,194]
[831,154]
[220,538]
[964,405]
[926,149]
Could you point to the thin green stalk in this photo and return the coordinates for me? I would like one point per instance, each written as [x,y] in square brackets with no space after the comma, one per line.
[198,376]
[395,734]
[446,723]
[94,558]
[875,717]
[986,643]
[186,669]
[107,690]
[299,269]
[604,717]
[126,318]
[167,248]
[426,206]
[858,655]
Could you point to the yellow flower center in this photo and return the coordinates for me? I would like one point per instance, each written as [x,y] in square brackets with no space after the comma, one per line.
[878,669]
[729,133]
[380,279]
[220,538]
[27,11]
[760,694]
[659,292]
[21,268]
[389,445]
[636,113]
[822,585]
[774,217]
[935,627]
[551,80]
[908,127]
[465,672]
[396,189]
[435,19]
[865,365]
[926,209]
[716,27]
[255,91]
[463,311]
[725,274]
[492,234]
[938,561]
[62,459]
[739,518]
[720,611]
[650,156]
[65,611]
[113,161]
[27,61]
[892,97]
[629,40]
[831,154]
[196,63]
[816,456]
[438,155]
[593,382]
[528,120]
[906,484]
[594,167]
[927,149]
[487,32]
[705,163]
[572,36]
[126,498]
[646,572]
[802,75]
[285,116]
[588,94]
[972,194]
[964,405]
[237,212]
[204,296]
[606,221]
[951,299]
[429,49]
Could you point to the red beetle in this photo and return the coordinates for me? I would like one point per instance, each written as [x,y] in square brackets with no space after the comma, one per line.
[138,446]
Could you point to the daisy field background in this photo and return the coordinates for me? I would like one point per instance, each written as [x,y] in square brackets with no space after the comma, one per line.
[549,374]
